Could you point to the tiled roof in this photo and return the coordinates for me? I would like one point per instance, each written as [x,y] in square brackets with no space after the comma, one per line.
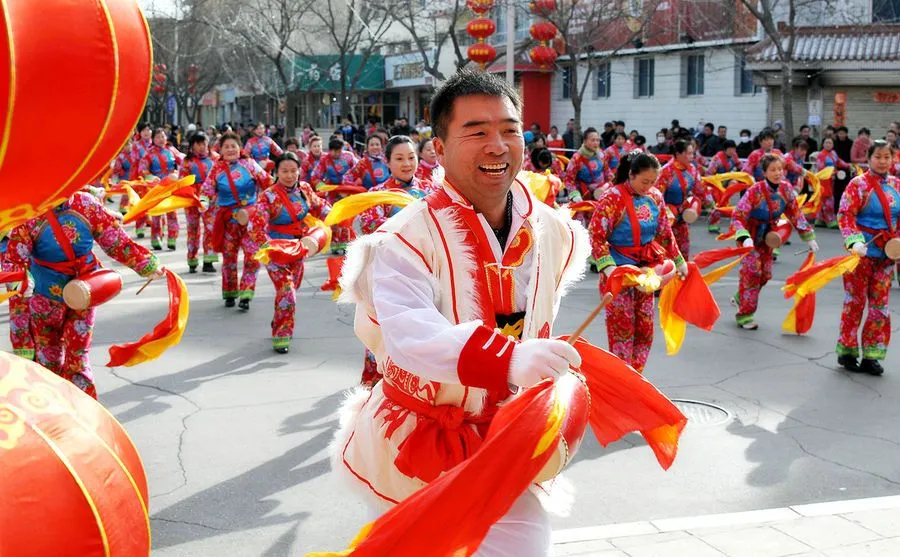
[846,43]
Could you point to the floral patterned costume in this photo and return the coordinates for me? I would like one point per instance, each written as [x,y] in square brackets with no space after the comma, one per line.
[631,229]
[869,207]
[56,246]
[721,163]
[200,168]
[331,171]
[756,214]
[826,208]
[231,187]
[138,149]
[262,148]
[160,163]
[19,313]
[279,216]
[368,172]
[678,184]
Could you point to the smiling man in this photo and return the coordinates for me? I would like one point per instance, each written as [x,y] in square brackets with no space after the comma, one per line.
[456,297]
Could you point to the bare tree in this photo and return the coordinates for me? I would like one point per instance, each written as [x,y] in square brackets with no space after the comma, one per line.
[592,32]
[350,28]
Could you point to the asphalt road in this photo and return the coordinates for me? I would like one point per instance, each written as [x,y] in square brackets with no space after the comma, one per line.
[234,437]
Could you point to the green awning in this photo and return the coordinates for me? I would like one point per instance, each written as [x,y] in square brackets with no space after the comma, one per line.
[322,73]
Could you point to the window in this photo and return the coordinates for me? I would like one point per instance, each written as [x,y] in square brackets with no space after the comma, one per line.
[694,74]
[603,83]
[635,7]
[885,11]
[644,68]
[566,83]
[744,78]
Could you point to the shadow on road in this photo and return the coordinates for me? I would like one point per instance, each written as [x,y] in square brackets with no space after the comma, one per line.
[246,360]
[246,502]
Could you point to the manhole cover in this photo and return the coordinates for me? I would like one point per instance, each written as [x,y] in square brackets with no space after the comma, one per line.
[702,414]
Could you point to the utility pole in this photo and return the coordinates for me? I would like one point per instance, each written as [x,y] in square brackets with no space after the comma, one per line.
[510,41]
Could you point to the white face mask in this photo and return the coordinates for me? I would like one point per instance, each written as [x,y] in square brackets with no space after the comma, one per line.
[660,139]
[744,139]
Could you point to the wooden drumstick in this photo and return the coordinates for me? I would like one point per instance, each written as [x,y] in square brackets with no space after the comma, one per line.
[146,284]
[801,252]
[607,298]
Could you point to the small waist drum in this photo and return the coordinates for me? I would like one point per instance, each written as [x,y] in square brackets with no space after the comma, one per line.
[892,249]
[576,401]
[92,289]
[692,212]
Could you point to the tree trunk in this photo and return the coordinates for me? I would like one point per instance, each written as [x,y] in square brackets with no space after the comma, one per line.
[787,100]
[345,101]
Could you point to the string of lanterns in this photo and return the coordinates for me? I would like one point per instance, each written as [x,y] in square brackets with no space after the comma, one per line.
[482,27]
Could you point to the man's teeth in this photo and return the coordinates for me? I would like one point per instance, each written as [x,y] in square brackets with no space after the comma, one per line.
[494,167]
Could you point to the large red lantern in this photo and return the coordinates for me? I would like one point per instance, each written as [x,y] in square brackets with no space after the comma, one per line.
[481,28]
[63,455]
[480,7]
[542,7]
[101,53]
[481,53]
[543,56]
[543,31]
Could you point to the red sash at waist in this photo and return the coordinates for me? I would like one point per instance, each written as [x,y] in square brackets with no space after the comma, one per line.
[295,228]
[443,436]
[76,268]
[649,254]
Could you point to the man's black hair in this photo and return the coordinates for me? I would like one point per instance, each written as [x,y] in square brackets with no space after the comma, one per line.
[463,83]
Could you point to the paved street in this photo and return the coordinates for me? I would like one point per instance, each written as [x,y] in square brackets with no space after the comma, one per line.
[234,437]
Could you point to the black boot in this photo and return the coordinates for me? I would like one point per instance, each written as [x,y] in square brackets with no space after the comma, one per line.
[281,349]
[192,269]
[244,304]
[848,362]
[872,367]
[208,267]
[229,302]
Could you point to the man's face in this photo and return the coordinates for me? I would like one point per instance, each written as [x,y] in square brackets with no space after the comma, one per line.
[484,148]
[723,132]
[804,133]
[842,135]
[570,125]
[620,128]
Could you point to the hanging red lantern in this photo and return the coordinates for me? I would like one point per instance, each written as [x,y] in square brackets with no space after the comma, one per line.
[107,76]
[69,458]
[482,53]
[544,56]
[543,31]
[542,7]
[480,7]
[481,28]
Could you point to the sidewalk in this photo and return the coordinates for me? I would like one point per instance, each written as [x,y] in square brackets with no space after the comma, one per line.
[857,528]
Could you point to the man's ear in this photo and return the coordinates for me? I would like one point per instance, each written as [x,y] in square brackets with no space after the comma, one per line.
[438,149]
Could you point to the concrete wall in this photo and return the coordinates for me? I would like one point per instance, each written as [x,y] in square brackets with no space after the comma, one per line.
[719,104]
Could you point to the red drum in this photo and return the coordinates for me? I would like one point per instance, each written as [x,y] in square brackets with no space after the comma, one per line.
[776,237]
[573,395]
[692,212]
[892,248]
[92,289]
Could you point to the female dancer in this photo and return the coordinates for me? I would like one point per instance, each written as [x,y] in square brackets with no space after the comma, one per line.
[678,181]
[587,169]
[757,213]
[261,147]
[371,169]
[429,167]
[199,162]
[139,148]
[614,154]
[231,189]
[630,227]
[160,161]
[868,217]
[312,159]
[722,162]
[279,216]
[330,170]
[828,157]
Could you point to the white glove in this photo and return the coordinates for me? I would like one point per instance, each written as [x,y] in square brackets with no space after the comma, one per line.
[813,246]
[859,249]
[541,358]
[312,247]
[682,269]
[747,243]
[159,273]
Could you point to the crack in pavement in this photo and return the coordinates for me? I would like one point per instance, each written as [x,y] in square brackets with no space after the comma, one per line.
[839,464]
[186,523]
[181,435]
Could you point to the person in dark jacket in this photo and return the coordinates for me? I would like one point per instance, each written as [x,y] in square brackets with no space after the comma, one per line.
[842,146]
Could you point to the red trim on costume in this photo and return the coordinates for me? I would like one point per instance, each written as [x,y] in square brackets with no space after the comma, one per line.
[449,263]
[417,252]
[484,360]
[360,478]
[568,257]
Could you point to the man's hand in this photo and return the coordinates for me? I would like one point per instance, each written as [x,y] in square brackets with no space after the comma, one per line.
[859,249]
[539,358]
[747,243]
